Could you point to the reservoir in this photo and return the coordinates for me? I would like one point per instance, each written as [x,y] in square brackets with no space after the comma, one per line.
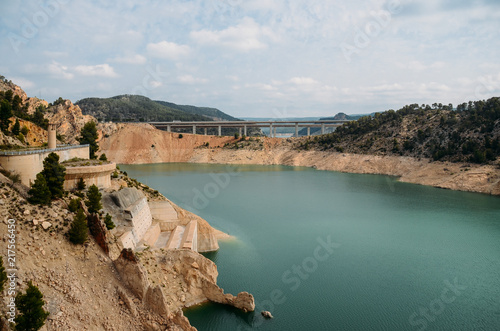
[333,251]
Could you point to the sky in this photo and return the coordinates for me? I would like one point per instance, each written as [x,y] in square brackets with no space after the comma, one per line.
[256,58]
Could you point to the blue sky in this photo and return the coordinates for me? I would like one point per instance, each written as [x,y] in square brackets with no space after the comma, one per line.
[256,58]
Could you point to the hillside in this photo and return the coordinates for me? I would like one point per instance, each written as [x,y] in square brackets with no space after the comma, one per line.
[133,108]
[213,113]
[338,117]
[469,133]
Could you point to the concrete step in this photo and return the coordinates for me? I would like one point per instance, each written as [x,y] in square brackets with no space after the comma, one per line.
[175,237]
[190,237]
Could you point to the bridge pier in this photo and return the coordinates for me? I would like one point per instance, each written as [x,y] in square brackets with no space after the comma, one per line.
[296,130]
[308,131]
[169,128]
[194,129]
[322,128]
[270,130]
[220,130]
[245,130]
[239,131]
[205,131]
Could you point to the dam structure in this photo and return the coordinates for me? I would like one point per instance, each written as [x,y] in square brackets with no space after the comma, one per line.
[244,125]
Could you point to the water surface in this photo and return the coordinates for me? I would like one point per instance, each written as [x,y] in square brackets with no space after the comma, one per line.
[398,256]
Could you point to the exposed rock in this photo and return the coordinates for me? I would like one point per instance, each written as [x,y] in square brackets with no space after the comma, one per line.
[46,225]
[70,121]
[133,274]
[155,300]
[99,232]
[266,314]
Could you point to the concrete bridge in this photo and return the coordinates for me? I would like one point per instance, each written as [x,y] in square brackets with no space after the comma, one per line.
[244,125]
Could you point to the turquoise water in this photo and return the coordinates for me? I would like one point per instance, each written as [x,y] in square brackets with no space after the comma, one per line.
[332,251]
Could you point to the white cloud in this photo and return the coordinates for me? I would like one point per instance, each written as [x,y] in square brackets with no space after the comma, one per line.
[58,70]
[188,79]
[303,81]
[130,59]
[99,70]
[168,50]
[22,82]
[244,37]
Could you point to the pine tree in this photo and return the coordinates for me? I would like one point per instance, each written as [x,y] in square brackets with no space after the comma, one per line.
[16,128]
[78,232]
[5,114]
[3,275]
[80,186]
[94,199]
[89,136]
[39,192]
[31,315]
[54,175]
[109,222]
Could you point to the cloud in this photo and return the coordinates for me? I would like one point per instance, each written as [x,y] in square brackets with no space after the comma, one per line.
[303,81]
[188,79]
[131,59]
[244,37]
[99,70]
[58,70]
[168,50]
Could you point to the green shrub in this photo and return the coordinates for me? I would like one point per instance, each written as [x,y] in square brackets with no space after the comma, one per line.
[109,222]
[78,232]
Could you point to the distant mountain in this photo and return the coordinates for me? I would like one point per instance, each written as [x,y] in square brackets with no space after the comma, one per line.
[338,117]
[213,113]
[134,108]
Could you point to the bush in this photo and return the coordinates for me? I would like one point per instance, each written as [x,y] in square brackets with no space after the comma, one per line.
[31,315]
[80,186]
[54,175]
[103,157]
[109,222]
[78,232]
[181,136]
[74,204]
[93,199]
[3,275]
[236,135]
[40,192]
[24,130]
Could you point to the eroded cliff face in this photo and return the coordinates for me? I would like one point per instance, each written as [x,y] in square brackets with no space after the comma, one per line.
[168,281]
[133,144]
[69,120]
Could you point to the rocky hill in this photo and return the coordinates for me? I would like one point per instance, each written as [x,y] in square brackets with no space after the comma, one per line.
[469,133]
[133,108]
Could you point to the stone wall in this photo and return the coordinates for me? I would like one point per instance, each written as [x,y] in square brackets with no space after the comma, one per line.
[29,164]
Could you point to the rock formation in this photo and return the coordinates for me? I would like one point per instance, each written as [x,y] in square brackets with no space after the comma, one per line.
[69,120]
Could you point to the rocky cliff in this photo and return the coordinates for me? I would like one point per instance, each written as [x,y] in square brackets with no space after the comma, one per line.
[137,144]
[69,120]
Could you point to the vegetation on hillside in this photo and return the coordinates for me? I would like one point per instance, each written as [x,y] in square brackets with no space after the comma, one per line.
[78,231]
[88,135]
[133,108]
[31,315]
[49,182]
[212,113]
[469,133]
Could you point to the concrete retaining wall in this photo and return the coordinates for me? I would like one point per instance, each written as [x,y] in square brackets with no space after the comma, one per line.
[98,175]
[29,164]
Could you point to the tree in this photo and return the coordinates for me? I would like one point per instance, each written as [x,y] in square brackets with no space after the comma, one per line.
[40,192]
[103,157]
[78,232]
[16,128]
[74,205]
[31,315]
[94,199]
[54,175]
[39,119]
[3,275]
[108,220]
[25,130]
[80,186]
[5,114]
[89,136]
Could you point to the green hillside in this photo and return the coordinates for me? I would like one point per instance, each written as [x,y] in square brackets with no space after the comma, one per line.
[212,113]
[469,133]
[134,108]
